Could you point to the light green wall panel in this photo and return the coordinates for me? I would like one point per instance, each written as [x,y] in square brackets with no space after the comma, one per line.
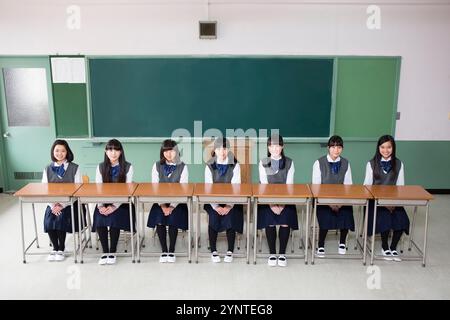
[426,162]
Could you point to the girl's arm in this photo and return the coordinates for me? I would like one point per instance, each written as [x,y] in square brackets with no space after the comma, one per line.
[98,179]
[290,175]
[262,174]
[316,174]
[348,176]
[208,179]
[401,176]
[155,175]
[368,180]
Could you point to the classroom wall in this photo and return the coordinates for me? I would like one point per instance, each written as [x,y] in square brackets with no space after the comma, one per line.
[417,30]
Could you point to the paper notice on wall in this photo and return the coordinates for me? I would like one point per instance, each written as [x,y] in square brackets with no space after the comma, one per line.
[68,70]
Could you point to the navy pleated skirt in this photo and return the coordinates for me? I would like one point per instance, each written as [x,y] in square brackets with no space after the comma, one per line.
[63,222]
[397,220]
[233,220]
[178,218]
[119,219]
[266,217]
[330,220]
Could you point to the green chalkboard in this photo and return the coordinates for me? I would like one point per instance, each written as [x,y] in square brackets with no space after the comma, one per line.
[151,97]
[366,96]
[70,105]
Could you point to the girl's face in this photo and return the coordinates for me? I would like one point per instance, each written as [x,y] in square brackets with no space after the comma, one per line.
[170,155]
[334,151]
[221,153]
[113,155]
[275,150]
[60,153]
[385,149]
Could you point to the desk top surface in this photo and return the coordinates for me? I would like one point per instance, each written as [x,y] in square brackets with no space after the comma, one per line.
[48,189]
[399,192]
[106,190]
[164,190]
[340,191]
[223,189]
[281,190]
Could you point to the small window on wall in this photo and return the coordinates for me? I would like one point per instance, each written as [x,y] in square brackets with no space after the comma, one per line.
[26,97]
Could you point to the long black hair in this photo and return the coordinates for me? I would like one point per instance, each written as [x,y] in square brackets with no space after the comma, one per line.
[377,157]
[167,145]
[276,139]
[222,142]
[59,142]
[106,174]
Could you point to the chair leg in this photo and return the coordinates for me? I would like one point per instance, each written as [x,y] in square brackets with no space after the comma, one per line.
[260,240]
[89,225]
[292,241]
[302,225]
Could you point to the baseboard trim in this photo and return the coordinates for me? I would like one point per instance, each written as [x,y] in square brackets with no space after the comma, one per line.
[439,191]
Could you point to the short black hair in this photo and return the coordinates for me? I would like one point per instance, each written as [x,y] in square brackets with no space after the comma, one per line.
[335,141]
[167,145]
[59,142]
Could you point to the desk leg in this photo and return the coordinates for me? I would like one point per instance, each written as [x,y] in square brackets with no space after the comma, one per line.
[305,243]
[139,221]
[255,229]
[72,216]
[373,231]
[80,246]
[411,229]
[197,231]
[313,244]
[247,227]
[35,226]
[365,220]
[133,236]
[142,234]
[189,229]
[23,233]
[425,237]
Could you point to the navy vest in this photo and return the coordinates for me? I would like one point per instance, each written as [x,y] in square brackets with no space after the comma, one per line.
[174,177]
[389,178]
[328,176]
[280,176]
[127,168]
[69,175]
[217,178]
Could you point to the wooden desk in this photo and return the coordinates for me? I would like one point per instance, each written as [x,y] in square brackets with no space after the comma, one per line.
[296,194]
[46,193]
[223,193]
[340,194]
[163,193]
[400,196]
[107,193]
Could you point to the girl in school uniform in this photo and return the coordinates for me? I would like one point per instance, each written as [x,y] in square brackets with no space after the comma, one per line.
[58,218]
[114,216]
[277,168]
[223,167]
[333,169]
[174,216]
[386,169]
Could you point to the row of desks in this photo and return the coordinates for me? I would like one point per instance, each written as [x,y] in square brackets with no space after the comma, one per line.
[299,194]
